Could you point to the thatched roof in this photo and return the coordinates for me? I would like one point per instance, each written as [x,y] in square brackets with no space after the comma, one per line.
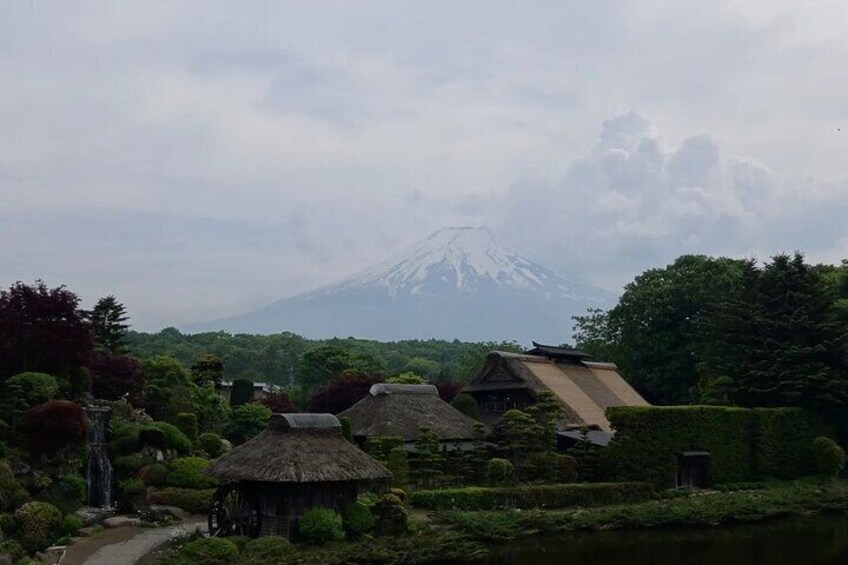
[298,448]
[395,410]
[583,388]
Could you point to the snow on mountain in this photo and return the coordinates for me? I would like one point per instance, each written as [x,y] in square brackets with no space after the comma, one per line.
[457,283]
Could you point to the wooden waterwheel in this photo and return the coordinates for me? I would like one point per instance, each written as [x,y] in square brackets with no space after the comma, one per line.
[234,513]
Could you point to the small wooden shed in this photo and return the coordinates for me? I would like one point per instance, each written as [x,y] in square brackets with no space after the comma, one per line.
[301,461]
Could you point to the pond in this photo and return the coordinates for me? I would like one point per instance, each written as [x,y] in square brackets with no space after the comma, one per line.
[820,540]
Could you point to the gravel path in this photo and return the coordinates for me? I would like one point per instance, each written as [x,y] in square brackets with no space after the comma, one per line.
[125,546]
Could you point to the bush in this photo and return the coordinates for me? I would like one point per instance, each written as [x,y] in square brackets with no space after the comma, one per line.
[55,425]
[357,519]
[70,525]
[210,551]
[269,549]
[154,475]
[320,525]
[38,524]
[149,436]
[568,469]
[379,447]
[128,464]
[246,421]
[194,501]
[131,487]
[187,423]
[31,388]
[529,497]
[67,494]
[211,444]
[499,472]
[828,457]
[390,516]
[7,524]
[398,465]
[347,430]
[466,404]
[190,472]
[174,438]
[241,393]
[12,493]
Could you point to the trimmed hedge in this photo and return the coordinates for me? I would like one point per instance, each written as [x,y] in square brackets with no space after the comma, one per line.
[531,496]
[744,444]
[192,500]
[190,472]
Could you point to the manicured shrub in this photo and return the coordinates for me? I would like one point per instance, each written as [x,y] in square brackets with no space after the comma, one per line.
[398,465]
[400,493]
[54,425]
[131,487]
[149,436]
[70,525]
[357,519]
[174,438]
[191,500]
[38,524]
[347,431]
[154,475]
[568,469]
[211,444]
[187,423]
[379,447]
[210,551]
[67,494]
[30,388]
[264,550]
[531,496]
[127,465]
[12,493]
[242,392]
[190,472]
[246,421]
[499,472]
[466,404]
[239,541]
[390,516]
[828,457]
[320,525]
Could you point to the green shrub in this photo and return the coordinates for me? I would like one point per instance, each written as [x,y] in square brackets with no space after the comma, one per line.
[379,447]
[128,464]
[828,457]
[568,469]
[241,393]
[155,475]
[744,444]
[38,523]
[347,430]
[269,549]
[210,551]
[320,525]
[13,549]
[25,390]
[531,496]
[246,421]
[150,436]
[71,524]
[400,493]
[239,541]
[12,493]
[8,524]
[499,472]
[390,516]
[131,487]
[357,519]
[398,465]
[194,501]
[187,423]
[211,444]
[174,438]
[190,472]
[67,494]
[466,404]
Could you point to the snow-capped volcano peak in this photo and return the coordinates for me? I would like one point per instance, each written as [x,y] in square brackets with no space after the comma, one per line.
[465,259]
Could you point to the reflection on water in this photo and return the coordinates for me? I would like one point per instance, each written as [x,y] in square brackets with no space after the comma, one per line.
[809,541]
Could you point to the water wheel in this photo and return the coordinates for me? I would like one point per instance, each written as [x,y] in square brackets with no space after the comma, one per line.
[234,513]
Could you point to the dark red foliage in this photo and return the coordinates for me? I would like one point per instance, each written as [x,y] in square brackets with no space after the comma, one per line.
[42,330]
[448,390]
[342,393]
[279,403]
[54,425]
[114,376]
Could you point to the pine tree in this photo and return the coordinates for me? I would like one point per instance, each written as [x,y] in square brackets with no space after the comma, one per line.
[107,320]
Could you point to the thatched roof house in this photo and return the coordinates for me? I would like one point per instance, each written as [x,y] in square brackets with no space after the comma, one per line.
[299,462]
[584,389]
[396,410]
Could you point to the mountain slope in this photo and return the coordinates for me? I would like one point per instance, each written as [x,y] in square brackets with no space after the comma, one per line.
[457,283]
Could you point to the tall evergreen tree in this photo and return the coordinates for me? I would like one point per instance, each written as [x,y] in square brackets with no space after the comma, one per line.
[107,319]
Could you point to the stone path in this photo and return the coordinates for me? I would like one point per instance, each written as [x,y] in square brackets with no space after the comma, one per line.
[125,546]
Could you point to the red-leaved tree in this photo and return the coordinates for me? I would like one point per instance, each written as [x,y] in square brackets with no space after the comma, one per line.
[115,376]
[448,390]
[278,403]
[43,330]
[342,393]
[54,425]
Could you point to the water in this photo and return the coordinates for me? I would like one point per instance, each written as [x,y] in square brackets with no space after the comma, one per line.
[820,540]
[98,471]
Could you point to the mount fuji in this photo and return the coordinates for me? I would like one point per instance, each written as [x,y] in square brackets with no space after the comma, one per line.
[459,283]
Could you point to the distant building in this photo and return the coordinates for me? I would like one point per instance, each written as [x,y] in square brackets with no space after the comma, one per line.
[260,390]
[584,389]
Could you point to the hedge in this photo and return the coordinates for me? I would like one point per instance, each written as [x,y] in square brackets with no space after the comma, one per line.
[192,500]
[531,496]
[744,444]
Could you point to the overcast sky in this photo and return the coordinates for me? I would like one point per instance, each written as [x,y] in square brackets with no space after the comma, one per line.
[201,159]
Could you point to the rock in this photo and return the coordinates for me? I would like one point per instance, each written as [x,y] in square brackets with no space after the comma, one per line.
[91,516]
[160,512]
[6,559]
[121,522]
[159,456]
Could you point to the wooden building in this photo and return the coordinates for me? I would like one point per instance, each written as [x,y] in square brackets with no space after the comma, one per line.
[301,461]
[583,388]
[398,410]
